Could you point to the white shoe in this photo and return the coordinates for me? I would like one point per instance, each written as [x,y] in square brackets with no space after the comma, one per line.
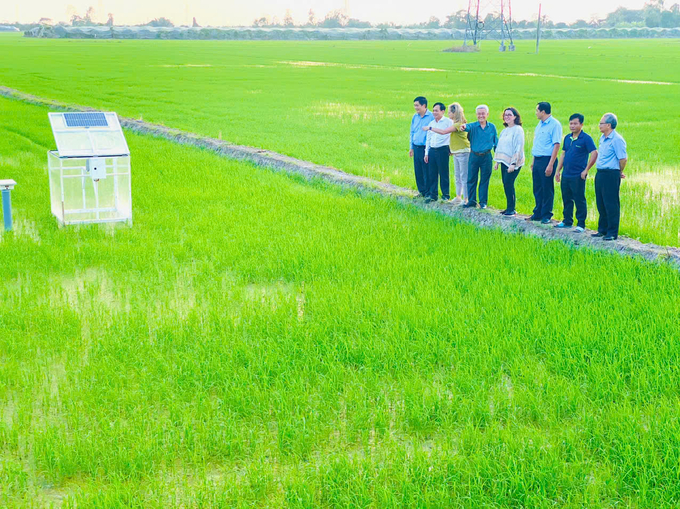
[578,229]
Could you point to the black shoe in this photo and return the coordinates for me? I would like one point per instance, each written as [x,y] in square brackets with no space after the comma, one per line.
[533,218]
[429,200]
[502,212]
[470,205]
[509,213]
[610,237]
[598,234]
[546,221]
[482,206]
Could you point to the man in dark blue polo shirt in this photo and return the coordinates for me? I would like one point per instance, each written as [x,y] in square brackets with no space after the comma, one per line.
[574,160]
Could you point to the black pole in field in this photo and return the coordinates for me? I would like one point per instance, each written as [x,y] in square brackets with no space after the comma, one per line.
[477,22]
[467,28]
[538,29]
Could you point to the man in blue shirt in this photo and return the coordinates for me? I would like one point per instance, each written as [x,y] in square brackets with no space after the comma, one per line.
[483,139]
[421,118]
[547,140]
[611,161]
[576,164]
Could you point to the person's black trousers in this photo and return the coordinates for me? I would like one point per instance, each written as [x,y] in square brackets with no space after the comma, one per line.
[420,168]
[509,186]
[438,172]
[607,186]
[574,193]
[544,188]
[479,168]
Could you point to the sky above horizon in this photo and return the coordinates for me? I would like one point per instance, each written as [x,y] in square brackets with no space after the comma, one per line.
[230,13]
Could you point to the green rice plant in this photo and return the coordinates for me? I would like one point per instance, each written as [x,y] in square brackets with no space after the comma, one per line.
[348,103]
[260,340]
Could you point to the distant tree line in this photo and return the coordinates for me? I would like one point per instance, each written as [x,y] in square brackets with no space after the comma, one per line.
[654,14]
[327,34]
[88,20]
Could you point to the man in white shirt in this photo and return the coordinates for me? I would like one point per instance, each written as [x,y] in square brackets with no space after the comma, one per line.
[437,155]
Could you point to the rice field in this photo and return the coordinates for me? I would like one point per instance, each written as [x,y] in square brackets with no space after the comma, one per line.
[348,104]
[260,340]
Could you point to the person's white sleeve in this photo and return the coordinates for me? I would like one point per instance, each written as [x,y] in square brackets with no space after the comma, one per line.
[427,142]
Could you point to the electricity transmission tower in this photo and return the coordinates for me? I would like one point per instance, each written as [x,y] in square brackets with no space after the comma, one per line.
[490,19]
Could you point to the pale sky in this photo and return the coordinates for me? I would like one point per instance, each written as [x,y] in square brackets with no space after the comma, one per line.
[232,12]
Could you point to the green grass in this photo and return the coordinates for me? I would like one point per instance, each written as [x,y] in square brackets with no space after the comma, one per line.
[354,114]
[259,340]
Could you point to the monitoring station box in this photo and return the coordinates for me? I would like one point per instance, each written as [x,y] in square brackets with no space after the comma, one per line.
[90,170]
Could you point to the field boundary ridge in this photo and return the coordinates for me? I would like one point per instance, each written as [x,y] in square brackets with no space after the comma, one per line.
[489,218]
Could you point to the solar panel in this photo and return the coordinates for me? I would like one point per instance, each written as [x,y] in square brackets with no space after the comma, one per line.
[85,120]
[88,134]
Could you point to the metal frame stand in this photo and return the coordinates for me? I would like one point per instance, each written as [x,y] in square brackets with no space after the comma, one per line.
[499,27]
[90,204]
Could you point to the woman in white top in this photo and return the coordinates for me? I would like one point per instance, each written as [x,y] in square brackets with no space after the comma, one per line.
[509,155]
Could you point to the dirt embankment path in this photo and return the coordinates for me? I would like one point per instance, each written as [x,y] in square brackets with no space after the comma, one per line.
[488,218]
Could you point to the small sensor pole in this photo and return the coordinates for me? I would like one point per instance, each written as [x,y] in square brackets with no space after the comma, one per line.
[7,186]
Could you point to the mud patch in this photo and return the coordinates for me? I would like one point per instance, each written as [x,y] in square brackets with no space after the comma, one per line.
[307,63]
[25,228]
[85,292]
[185,65]
[661,186]
[665,182]
[354,113]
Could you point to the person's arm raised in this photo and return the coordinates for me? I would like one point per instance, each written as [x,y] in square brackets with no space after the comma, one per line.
[441,131]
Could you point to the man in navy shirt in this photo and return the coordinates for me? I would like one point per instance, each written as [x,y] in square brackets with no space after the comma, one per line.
[576,164]
[421,118]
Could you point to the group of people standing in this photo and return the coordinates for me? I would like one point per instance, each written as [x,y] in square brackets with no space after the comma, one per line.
[476,146]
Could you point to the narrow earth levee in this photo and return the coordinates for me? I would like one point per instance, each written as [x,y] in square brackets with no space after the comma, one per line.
[488,218]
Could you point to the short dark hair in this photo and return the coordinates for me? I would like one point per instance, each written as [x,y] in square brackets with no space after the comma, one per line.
[420,100]
[544,107]
[441,106]
[577,116]
[518,119]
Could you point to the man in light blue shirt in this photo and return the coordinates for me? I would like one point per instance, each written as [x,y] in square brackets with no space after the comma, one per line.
[547,141]
[611,161]
[418,137]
